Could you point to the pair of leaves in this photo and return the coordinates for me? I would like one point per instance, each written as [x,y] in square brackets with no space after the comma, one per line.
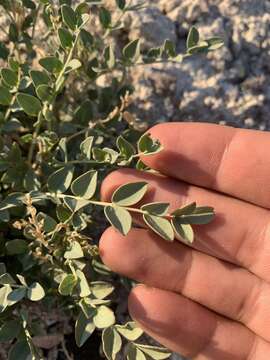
[102,317]
[112,341]
[126,195]
[195,45]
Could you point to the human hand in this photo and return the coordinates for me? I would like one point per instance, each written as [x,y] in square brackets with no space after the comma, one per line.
[211,300]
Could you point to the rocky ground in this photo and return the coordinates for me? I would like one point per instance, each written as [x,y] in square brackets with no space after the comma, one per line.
[229,86]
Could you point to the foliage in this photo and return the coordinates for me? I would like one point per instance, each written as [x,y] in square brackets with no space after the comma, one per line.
[58,140]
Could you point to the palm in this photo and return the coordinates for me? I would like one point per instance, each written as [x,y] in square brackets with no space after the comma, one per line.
[210,301]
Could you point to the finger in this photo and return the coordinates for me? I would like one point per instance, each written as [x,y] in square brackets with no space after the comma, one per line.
[226,289]
[233,161]
[189,329]
[238,233]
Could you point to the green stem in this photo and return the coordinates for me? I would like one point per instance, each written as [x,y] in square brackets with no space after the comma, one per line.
[104,204]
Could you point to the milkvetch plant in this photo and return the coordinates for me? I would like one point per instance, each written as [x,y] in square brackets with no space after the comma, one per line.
[58,140]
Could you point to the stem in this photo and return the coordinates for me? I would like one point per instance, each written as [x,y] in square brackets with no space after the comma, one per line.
[62,72]
[105,203]
[33,143]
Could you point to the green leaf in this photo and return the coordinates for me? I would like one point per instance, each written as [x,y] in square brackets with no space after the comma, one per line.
[67,285]
[104,317]
[155,352]
[201,47]
[65,37]
[130,331]
[63,213]
[215,43]
[35,292]
[73,65]
[86,38]
[69,17]
[74,251]
[4,292]
[85,185]
[84,328]
[49,224]
[30,104]
[200,216]
[83,287]
[10,330]
[86,147]
[83,114]
[149,146]
[109,56]
[31,181]
[61,179]
[132,50]
[185,210]
[44,92]
[101,289]
[6,279]
[10,77]
[169,48]
[5,96]
[105,17]
[16,247]
[39,78]
[193,37]
[20,351]
[183,231]
[105,155]
[133,353]
[75,204]
[126,148]
[129,194]
[51,63]
[16,295]
[118,218]
[160,226]
[156,208]
[111,343]
[121,4]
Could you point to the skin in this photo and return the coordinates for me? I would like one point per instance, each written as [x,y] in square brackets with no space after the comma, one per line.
[211,300]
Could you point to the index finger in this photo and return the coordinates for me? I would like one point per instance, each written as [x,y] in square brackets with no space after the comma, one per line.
[229,160]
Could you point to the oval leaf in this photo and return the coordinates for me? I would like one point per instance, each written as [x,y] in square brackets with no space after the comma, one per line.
[156,208]
[67,285]
[30,104]
[61,179]
[149,146]
[83,286]
[104,317]
[101,289]
[160,226]
[193,37]
[20,350]
[111,342]
[35,292]
[84,328]
[5,96]
[129,194]
[74,251]
[155,352]
[201,215]
[183,231]
[85,185]
[118,218]
[130,331]
[132,50]
[69,17]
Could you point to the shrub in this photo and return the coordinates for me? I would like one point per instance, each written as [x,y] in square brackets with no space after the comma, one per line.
[58,140]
